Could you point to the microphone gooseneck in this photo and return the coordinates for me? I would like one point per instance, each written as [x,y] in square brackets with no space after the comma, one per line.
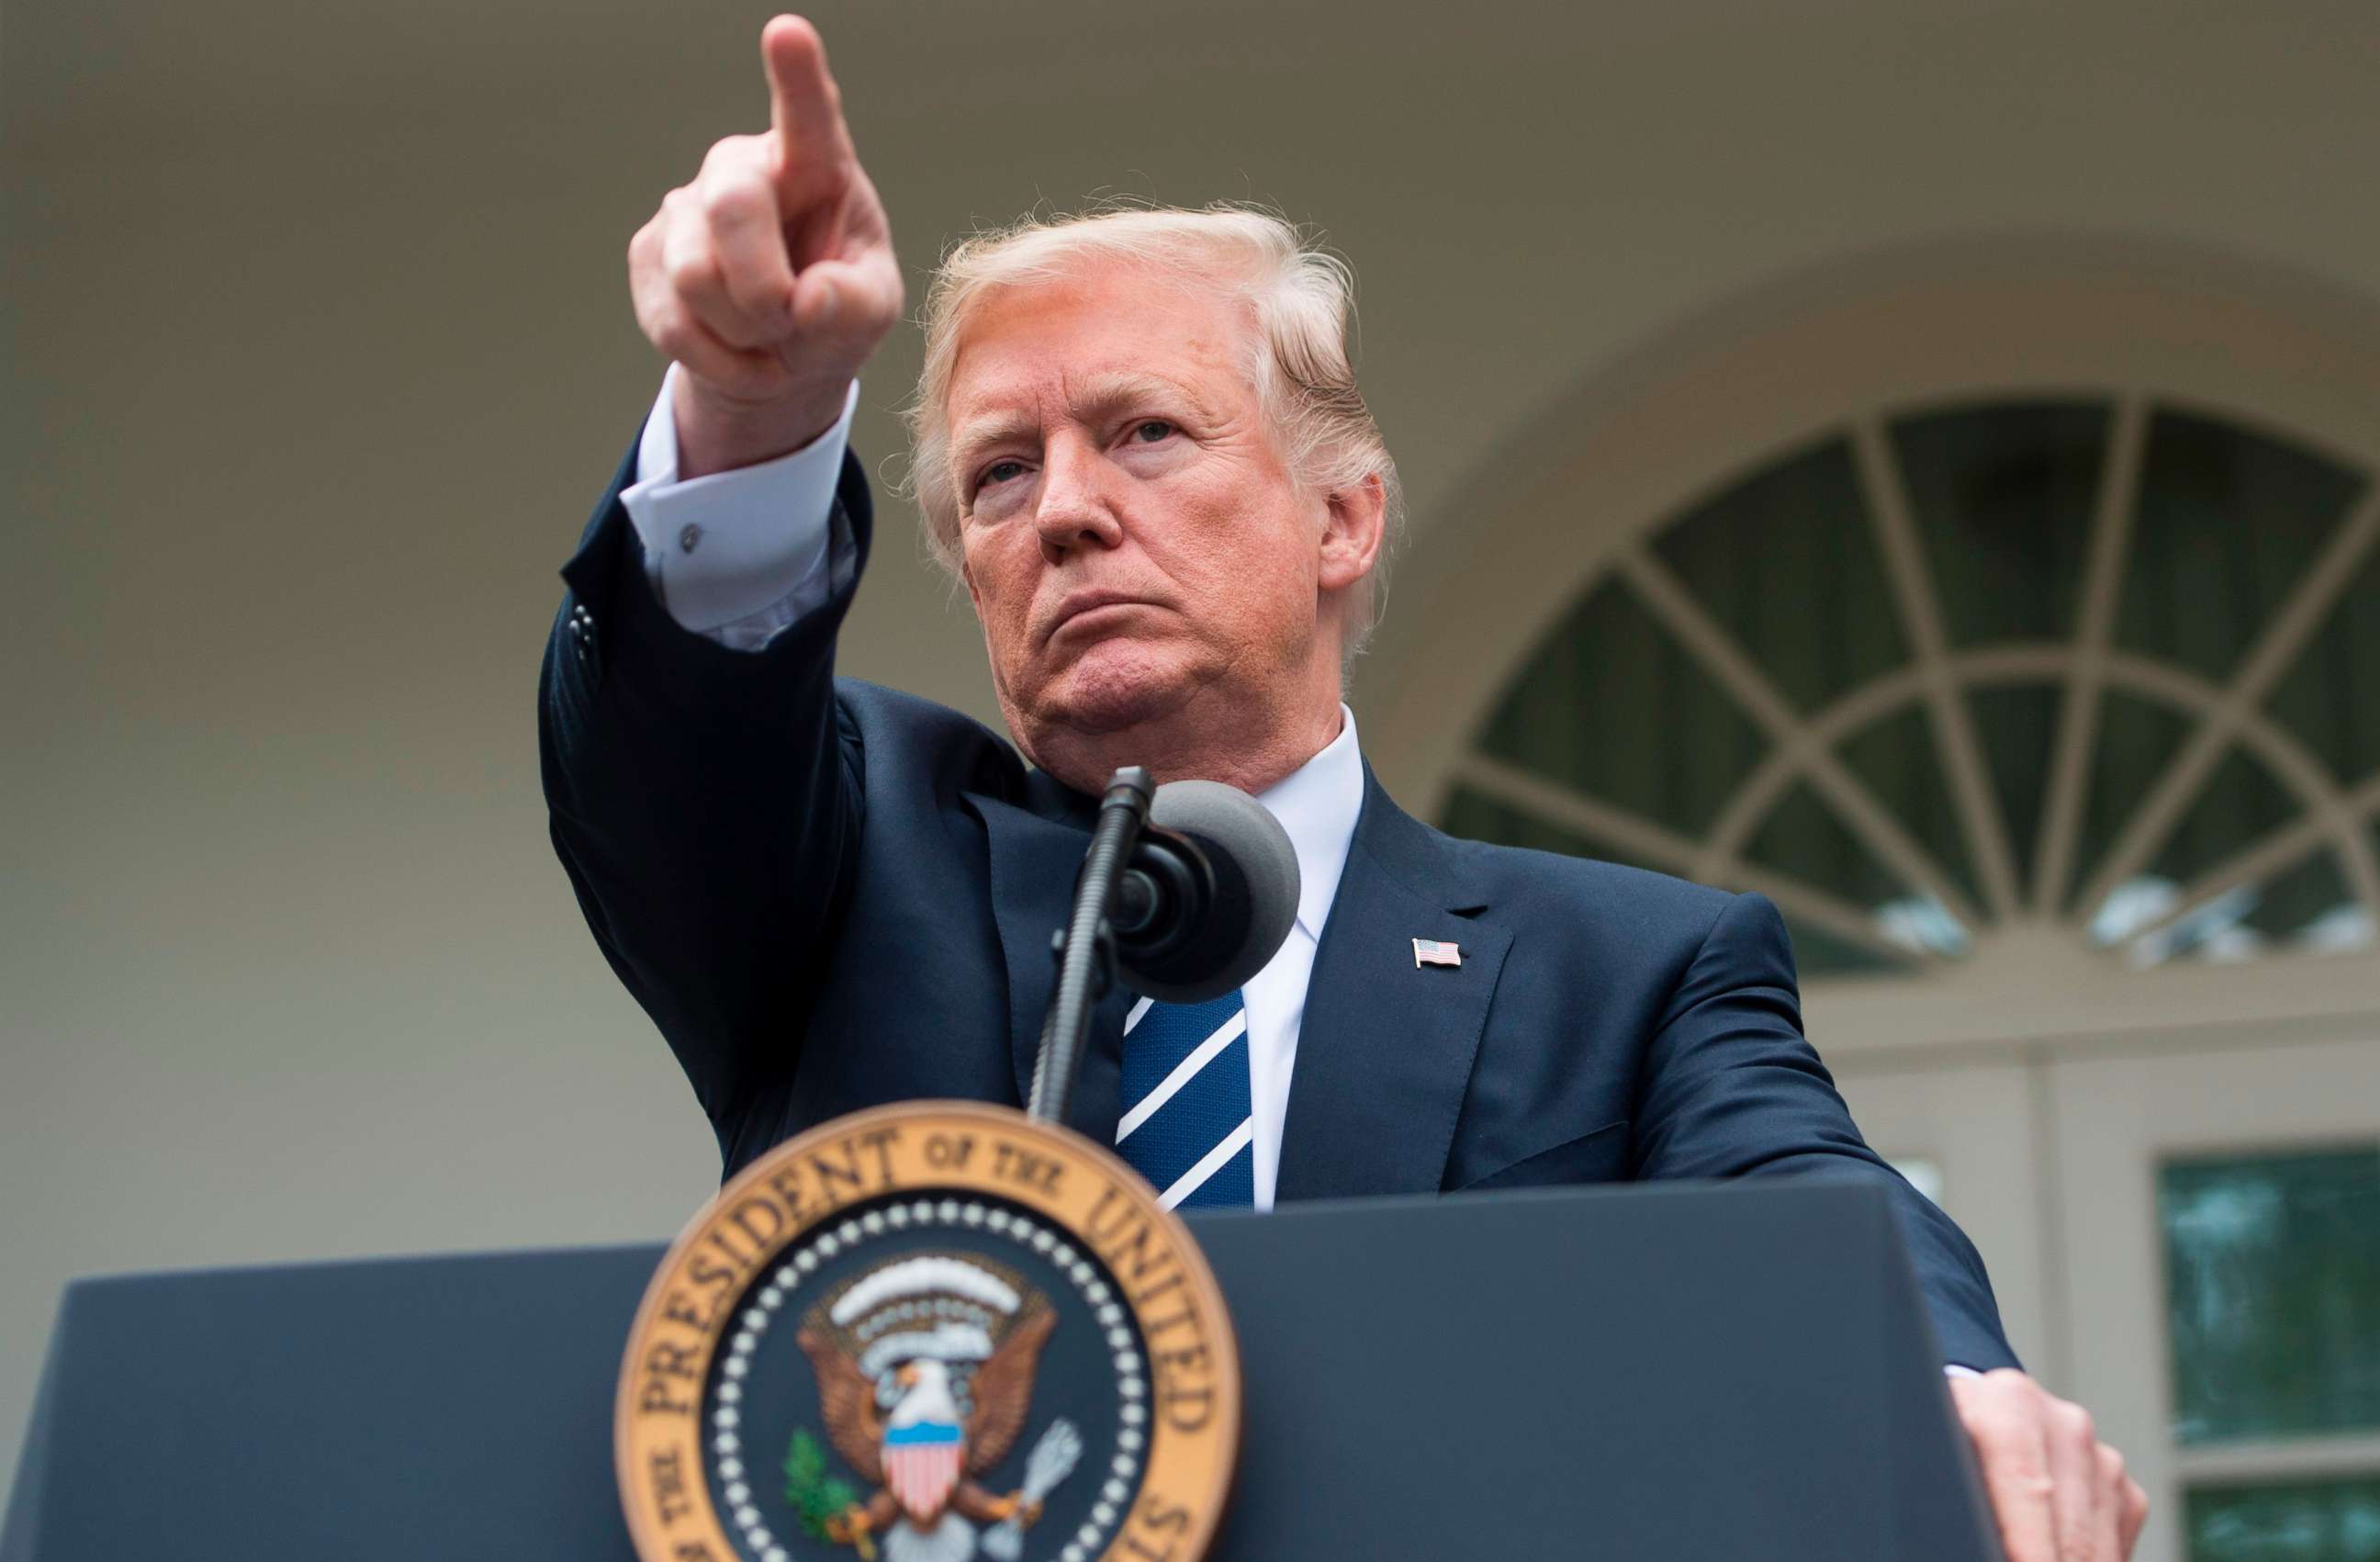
[1084,949]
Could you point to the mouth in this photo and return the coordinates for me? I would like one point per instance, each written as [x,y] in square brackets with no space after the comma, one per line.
[1089,608]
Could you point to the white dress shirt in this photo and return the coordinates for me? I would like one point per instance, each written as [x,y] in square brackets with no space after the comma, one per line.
[740,554]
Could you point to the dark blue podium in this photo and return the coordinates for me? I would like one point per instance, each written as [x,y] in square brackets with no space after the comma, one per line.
[1677,1371]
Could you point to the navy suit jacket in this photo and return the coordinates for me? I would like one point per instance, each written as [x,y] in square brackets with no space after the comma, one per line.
[830,894]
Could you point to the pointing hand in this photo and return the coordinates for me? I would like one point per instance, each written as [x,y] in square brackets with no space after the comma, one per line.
[770,278]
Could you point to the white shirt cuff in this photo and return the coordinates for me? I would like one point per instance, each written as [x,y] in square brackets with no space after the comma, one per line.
[735,545]
[1953,1369]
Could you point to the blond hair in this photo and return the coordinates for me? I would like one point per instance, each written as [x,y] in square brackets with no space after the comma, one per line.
[1302,297]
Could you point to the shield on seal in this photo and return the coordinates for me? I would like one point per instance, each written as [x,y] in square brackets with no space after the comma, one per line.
[921,1466]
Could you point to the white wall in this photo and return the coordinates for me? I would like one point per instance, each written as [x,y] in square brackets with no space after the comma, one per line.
[318,352]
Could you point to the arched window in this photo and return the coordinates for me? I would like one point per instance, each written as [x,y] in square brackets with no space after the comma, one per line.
[2098,659]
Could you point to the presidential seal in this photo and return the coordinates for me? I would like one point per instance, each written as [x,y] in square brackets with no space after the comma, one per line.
[930,1333]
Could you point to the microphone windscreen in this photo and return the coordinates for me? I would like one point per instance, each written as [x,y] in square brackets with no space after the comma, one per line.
[1243,840]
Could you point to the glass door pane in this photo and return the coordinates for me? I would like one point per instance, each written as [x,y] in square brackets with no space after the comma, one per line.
[2298,1521]
[2273,1292]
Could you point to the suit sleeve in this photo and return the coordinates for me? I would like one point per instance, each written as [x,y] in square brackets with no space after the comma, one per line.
[704,800]
[1731,1087]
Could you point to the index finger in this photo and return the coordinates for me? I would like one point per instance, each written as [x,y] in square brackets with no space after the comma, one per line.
[805,107]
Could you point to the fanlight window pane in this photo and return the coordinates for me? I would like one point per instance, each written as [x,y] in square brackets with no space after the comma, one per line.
[1615,708]
[2003,496]
[2273,1292]
[1897,758]
[2308,907]
[2016,725]
[2301,1521]
[2240,804]
[1787,561]
[2306,904]
[1802,838]
[2312,896]
[2136,741]
[2228,522]
[2330,697]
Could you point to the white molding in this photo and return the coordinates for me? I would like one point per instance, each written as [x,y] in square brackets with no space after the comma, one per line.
[1958,750]
[2078,723]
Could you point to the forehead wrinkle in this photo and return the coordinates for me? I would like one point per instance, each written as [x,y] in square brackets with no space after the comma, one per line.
[1110,392]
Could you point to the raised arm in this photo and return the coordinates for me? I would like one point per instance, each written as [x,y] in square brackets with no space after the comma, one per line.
[701,797]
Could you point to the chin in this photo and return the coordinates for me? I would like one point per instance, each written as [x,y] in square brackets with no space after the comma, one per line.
[1115,685]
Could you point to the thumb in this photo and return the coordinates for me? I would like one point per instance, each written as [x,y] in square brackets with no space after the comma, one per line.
[816,302]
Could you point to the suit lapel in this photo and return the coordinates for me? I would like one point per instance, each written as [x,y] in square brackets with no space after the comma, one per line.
[1384,1053]
[1035,853]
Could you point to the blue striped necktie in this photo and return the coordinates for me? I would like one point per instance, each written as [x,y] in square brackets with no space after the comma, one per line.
[1188,1124]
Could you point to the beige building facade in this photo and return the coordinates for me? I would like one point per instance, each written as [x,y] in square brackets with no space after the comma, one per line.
[2025,656]
[1917,461]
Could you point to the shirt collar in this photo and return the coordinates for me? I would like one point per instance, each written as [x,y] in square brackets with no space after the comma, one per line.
[1317,804]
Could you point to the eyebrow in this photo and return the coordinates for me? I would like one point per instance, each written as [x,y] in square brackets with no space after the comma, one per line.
[1100,394]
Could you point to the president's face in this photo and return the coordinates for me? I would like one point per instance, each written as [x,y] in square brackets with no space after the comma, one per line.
[1131,534]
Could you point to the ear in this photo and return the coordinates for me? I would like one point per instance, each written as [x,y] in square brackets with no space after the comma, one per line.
[1355,526]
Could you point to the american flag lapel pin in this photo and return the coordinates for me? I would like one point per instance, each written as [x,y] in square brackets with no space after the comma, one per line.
[1430,952]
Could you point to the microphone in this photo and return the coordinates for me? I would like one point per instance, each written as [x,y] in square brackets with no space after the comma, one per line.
[1190,886]
[1207,896]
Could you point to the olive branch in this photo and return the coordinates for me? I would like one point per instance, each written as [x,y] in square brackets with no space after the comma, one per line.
[816,1496]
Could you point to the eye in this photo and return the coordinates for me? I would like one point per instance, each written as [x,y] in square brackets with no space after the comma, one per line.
[1149,431]
[999,471]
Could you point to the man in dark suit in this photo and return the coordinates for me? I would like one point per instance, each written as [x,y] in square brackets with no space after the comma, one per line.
[1140,445]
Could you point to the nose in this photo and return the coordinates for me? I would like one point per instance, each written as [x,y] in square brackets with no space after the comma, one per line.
[1074,511]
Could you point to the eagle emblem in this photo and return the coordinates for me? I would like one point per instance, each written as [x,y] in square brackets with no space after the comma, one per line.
[925,1369]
